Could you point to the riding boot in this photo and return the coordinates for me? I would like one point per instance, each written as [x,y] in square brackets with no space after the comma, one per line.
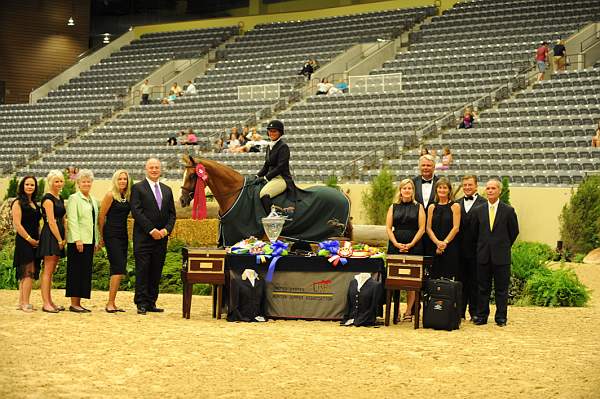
[266,203]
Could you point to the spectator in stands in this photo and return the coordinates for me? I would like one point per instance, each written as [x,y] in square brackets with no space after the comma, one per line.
[436,157]
[560,56]
[218,145]
[424,150]
[246,132]
[146,89]
[596,138]
[83,237]
[315,64]
[26,217]
[307,70]
[191,138]
[52,238]
[323,87]
[446,160]
[334,91]
[256,144]
[172,140]
[112,221]
[72,173]
[177,90]
[541,58]
[233,143]
[468,119]
[191,89]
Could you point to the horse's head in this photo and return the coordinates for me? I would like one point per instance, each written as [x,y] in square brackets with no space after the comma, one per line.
[189,181]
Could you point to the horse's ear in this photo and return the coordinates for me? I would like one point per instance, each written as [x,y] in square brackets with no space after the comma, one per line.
[188,160]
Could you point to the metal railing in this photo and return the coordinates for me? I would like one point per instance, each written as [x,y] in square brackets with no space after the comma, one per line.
[376,157]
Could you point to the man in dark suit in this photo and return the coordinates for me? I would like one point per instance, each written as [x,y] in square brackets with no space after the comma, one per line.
[153,211]
[496,228]
[425,193]
[468,245]
[276,169]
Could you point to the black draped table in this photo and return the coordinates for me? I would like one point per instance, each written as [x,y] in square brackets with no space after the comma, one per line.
[306,287]
[303,287]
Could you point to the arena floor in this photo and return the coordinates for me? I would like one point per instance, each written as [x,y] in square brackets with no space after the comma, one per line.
[542,353]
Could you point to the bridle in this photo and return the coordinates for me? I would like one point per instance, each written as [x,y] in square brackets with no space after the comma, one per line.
[189,194]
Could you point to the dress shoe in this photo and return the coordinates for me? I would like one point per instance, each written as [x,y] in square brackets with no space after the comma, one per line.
[141,310]
[77,310]
[50,310]
[60,308]
[154,309]
[479,322]
[501,323]
[110,310]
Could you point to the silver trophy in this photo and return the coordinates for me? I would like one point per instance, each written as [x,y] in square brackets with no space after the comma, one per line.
[273,224]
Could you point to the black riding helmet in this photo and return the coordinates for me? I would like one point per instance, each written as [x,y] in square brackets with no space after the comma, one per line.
[276,124]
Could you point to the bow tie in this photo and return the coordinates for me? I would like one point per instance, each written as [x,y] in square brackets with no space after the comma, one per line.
[423,181]
[469,198]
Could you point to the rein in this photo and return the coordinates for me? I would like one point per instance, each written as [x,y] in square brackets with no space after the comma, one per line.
[190,193]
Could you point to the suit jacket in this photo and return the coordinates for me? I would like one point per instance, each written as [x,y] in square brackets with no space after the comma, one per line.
[493,246]
[419,190]
[146,214]
[80,225]
[468,239]
[277,162]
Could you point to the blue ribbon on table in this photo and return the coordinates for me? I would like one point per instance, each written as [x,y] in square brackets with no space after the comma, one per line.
[278,248]
[333,246]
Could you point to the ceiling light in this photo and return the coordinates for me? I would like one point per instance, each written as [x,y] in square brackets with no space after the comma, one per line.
[71,22]
[106,39]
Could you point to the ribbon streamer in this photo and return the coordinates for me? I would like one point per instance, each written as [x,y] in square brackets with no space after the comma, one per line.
[278,248]
[199,208]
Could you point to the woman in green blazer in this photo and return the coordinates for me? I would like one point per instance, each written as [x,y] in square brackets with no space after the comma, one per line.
[82,241]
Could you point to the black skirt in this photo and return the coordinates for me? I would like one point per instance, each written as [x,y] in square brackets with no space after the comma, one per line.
[116,249]
[48,245]
[79,271]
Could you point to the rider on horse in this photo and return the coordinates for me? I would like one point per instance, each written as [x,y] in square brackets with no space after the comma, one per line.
[276,170]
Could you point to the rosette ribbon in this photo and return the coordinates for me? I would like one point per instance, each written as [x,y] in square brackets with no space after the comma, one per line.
[278,248]
[333,247]
[199,208]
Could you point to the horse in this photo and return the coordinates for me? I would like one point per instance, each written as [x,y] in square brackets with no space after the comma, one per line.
[319,212]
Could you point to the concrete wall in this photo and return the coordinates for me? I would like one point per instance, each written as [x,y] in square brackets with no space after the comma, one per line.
[287,12]
[538,208]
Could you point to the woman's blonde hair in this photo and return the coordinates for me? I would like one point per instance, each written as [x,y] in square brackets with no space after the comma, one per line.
[53,175]
[443,182]
[115,186]
[85,174]
[402,184]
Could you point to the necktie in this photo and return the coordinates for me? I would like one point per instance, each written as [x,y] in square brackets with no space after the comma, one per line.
[158,195]
[469,198]
[423,181]
[492,216]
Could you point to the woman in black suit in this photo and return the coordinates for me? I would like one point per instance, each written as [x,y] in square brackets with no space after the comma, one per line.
[276,169]
[114,211]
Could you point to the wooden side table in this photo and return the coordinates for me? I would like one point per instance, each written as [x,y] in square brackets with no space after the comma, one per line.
[205,266]
[404,272]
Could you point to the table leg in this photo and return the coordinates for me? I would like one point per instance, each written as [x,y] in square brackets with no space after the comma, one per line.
[213,294]
[187,300]
[219,300]
[396,305]
[183,304]
[388,303]
[417,308]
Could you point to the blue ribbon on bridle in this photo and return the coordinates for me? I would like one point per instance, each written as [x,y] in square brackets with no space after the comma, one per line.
[278,248]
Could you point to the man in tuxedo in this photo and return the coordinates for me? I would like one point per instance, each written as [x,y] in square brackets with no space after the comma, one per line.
[496,228]
[153,211]
[468,245]
[425,193]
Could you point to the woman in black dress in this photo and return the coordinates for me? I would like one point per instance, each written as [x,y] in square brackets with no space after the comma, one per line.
[114,211]
[405,225]
[52,238]
[443,221]
[26,217]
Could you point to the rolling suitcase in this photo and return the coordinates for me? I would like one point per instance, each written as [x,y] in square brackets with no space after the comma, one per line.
[442,304]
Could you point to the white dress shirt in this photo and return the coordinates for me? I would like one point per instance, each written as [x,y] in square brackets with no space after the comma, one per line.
[469,203]
[152,184]
[426,190]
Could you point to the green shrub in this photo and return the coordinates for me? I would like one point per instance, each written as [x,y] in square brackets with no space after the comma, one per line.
[41,189]
[559,287]
[8,279]
[332,181]
[578,258]
[529,257]
[378,197]
[580,218]
[69,187]
[505,194]
[13,184]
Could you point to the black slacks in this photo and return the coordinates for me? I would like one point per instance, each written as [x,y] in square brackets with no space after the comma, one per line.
[79,271]
[468,277]
[501,276]
[149,262]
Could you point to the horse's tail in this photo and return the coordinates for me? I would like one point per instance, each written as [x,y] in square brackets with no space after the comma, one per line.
[348,232]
